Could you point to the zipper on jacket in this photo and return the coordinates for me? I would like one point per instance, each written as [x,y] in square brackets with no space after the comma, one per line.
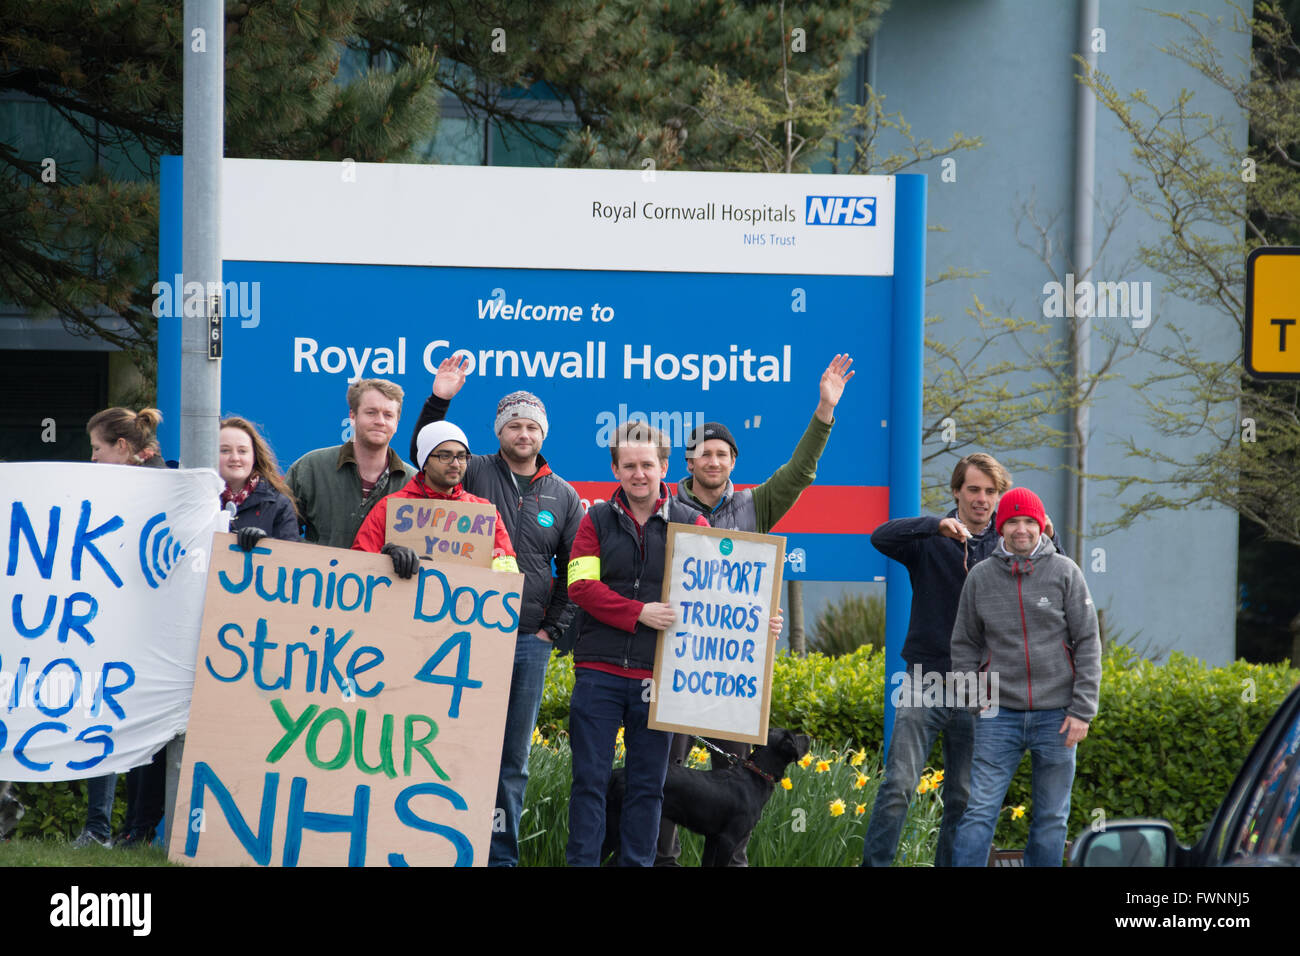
[1024,631]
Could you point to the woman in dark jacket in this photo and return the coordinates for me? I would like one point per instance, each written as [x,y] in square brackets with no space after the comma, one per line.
[264,505]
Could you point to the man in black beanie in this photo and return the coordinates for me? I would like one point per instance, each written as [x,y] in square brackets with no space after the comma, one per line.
[711,454]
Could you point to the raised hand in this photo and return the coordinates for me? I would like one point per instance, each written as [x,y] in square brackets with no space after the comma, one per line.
[450,377]
[834,379]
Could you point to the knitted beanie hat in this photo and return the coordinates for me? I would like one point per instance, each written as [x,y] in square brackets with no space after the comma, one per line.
[434,434]
[1021,501]
[520,405]
[707,431]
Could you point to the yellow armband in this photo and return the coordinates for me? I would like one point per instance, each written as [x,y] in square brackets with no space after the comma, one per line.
[505,563]
[584,569]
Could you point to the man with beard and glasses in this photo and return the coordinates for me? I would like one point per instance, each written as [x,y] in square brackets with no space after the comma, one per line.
[541,512]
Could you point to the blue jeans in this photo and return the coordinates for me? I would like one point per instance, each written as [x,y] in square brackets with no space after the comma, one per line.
[526,682]
[602,703]
[100,792]
[1000,743]
[915,730]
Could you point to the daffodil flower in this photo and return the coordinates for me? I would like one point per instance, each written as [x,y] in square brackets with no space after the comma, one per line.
[861,781]
[1017,812]
[837,807]
[860,809]
[805,760]
[786,783]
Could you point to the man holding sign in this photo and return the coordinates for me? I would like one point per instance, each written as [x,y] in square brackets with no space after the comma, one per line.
[443,451]
[710,457]
[616,578]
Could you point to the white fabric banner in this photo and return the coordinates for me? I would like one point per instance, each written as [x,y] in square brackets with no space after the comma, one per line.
[105,568]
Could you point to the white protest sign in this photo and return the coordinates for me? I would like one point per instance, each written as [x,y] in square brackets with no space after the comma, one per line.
[105,568]
[713,668]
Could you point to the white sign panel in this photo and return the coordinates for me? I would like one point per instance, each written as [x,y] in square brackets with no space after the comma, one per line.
[713,668]
[393,214]
[104,574]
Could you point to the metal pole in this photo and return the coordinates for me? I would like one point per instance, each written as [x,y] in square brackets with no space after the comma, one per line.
[204,124]
[1085,129]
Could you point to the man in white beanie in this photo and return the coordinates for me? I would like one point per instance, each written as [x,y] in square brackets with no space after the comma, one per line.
[542,512]
[442,450]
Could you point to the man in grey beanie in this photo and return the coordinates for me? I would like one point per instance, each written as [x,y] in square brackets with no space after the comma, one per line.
[541,512]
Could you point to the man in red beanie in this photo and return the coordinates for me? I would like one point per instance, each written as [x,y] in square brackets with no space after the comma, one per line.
[1027,624]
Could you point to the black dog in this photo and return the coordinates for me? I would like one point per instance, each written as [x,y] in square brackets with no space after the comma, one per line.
[721,805]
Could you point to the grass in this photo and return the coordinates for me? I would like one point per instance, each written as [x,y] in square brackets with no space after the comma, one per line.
[57,851]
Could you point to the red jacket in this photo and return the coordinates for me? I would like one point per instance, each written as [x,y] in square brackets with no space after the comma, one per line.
[371,534]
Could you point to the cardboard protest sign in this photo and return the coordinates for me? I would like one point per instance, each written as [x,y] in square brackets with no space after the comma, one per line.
[104,574]
[457,531]
[342,715]
[713,668]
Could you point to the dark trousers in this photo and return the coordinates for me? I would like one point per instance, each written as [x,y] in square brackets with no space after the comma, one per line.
[145,790]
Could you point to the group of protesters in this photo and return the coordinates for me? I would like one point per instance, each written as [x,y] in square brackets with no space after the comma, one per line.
[600,601]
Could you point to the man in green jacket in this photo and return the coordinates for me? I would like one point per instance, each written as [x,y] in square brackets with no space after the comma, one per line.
[337,486]
[711,454]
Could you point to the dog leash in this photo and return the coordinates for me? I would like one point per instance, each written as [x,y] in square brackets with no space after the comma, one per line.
[731,758]
[747,763]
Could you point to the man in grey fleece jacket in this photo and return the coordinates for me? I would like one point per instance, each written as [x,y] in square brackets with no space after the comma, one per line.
[1026,615]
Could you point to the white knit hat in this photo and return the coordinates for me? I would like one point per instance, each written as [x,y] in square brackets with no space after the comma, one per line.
[434,434]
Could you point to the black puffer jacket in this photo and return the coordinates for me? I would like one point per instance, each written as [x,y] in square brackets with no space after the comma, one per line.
[541,525]
[632,565]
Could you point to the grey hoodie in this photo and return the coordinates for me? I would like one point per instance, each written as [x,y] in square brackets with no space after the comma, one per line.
[1031,620]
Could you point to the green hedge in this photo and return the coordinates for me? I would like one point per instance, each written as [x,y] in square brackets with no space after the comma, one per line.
[59,809]
[1167,742]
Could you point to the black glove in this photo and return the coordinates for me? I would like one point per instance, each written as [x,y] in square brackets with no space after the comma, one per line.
[248,537]
[567,640]
[405,560]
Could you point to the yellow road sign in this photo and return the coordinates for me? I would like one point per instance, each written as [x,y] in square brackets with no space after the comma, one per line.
[1273,312]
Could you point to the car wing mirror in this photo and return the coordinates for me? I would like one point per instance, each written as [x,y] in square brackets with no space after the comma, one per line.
[1126,843]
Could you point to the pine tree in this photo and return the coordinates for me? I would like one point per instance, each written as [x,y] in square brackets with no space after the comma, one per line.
[79,199]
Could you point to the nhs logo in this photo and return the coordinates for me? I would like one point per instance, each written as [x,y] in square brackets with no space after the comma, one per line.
[841,211]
